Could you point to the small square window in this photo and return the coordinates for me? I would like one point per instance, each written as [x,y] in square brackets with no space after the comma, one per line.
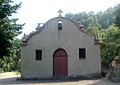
[82,53]
[38,54]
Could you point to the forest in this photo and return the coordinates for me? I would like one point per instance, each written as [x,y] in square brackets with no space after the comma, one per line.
[103,25]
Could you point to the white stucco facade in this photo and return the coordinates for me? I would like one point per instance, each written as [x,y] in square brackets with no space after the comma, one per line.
[71,38]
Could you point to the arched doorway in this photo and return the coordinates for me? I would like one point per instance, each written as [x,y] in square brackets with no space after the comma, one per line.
[60,63]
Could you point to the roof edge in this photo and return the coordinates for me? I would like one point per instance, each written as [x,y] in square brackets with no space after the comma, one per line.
[25,38]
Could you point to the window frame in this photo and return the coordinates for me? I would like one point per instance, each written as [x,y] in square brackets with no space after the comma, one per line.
[38,55]
[82,53]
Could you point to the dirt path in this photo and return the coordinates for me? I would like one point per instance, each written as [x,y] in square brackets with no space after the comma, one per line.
[9,78]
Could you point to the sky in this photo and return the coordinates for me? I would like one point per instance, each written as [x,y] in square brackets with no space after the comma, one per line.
[33,12]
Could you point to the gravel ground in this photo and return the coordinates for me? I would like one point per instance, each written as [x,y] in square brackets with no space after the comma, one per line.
[9,78]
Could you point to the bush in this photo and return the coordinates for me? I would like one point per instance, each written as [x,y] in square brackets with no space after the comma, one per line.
[114,74]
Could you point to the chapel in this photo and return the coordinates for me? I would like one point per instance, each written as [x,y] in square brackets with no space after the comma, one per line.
[59,48]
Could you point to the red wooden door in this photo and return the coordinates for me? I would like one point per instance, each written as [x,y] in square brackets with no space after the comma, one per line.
[60,61]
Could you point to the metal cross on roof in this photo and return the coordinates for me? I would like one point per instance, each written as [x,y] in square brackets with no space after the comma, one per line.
[60,12]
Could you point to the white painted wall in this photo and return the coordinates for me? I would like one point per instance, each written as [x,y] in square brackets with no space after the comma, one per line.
[48,41]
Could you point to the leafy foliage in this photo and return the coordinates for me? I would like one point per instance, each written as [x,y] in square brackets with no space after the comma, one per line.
[103,19]
[86,19]
[117,15]
[111,46]
[9,29]
[114,74]
[106,18]
[12,62]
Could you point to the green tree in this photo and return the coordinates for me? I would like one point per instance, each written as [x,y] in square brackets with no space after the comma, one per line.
[12,63]
[106,18]
[86,19]
[117,15]
[111,46]
[9,28]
